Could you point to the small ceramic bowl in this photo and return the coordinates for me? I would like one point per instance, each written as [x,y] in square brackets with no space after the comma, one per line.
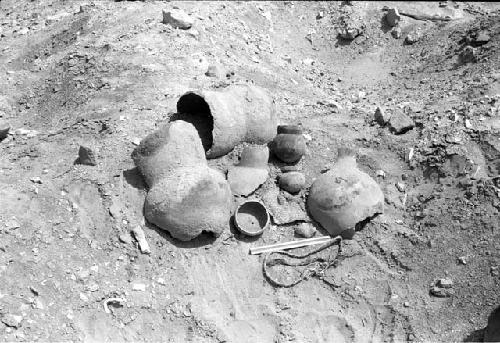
[252,218]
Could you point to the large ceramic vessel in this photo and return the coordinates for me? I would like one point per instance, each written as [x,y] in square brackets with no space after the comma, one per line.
[236,114]
[186,197]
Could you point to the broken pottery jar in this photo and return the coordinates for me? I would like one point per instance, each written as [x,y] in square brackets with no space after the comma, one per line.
[289,145]
[251,172]
[344,196]
[228,117]
[185,197]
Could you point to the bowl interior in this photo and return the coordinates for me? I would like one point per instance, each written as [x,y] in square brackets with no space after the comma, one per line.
[251,217]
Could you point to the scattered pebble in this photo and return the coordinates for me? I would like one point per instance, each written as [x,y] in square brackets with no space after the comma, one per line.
[178,19]
[396,32]
[468,125]
[125,238]
[292,182]
[139,287]
[141,239]
[36,179]
[306,230]
[12,320]
[380,173]
[468,54]
[445,283]
[136,141]
[86,156]
[392,17]
[213,71]
[381,116]
[400,123]
[4,129]
[401,186]
[413,37]
[462,260]
[12,224]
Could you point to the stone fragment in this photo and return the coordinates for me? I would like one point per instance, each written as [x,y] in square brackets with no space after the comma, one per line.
[214,70]
[125,238]
[396,32]
[178,19]
[12,320]
[140,237]
[445,283]
[492,331]
[392,17]
[400,186]
[292,182]
[306,230]
[382,117]
[441,292]
[4,129]
[400,123]
[482,37]
[468,55]
[86,156]
[413,37]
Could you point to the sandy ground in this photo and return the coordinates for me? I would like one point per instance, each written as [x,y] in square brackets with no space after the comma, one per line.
[106,74]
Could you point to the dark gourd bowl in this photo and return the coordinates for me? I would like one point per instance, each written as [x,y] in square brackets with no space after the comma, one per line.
[252,218]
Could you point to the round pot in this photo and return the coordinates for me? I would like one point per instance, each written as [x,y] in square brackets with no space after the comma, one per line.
[289,145]
[252,218]
[225,118]
[343,197]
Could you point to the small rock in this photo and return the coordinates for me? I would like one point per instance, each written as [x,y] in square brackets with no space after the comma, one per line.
[178,19]
[406,304]
[400,186]
[392,17]
[125,238]
[12,224]
[215,70]
[320,15]
[494,271]
[413,37]
[380,173]
[86,156]
[12,321]
[400,123]
[92,287]
[115,210]
[139,287]
[381,116]
[140,237]
[306,230]
[441,292]
[396,32]
[292,182]
[136,141]
[462,260]
[36,179]
[468,125]
[445,283]
[4,129]
[286,169]
[482,37]
[468,55]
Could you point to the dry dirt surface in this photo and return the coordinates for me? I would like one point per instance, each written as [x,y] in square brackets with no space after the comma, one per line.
[105,74]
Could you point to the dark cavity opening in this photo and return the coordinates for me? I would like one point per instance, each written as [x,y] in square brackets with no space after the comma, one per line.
[194,109]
